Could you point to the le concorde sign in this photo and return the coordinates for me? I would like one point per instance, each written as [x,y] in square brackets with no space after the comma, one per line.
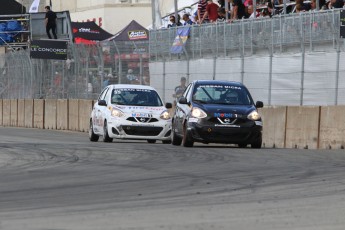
[48,49]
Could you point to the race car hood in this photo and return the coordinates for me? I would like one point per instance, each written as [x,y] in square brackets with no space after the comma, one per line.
[140,111]
[220,110]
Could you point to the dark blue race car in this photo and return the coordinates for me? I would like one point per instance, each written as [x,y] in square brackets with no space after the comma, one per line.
[217,112]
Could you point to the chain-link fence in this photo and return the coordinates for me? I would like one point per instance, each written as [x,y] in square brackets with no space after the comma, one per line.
[230,50]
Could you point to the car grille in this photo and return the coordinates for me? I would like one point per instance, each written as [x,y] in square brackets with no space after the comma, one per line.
[141,130]
[142,119]
[230,121]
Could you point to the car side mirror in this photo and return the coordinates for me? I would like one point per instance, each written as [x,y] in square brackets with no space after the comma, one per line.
[168,105]
[102,103]
[183,100]
[259,104]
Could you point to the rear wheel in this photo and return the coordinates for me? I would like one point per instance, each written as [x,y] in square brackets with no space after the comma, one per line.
[151,141]
[187,140]
[166,142]
[92,136]
[106,137]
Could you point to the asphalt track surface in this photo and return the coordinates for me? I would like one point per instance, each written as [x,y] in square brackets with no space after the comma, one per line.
[56,180]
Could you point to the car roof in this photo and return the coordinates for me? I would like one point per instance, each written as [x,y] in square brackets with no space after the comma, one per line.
[217,82]
[129,86]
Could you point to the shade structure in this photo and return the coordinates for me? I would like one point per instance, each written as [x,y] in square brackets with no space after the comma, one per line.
[88,32]
[132,32]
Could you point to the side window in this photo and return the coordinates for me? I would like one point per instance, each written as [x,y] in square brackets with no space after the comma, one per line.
[102,95]
[189,93]
[185,94]
[107,95]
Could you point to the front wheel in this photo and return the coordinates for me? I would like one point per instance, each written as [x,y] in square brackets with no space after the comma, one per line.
[151,141]
[92,136]
[187,140]
[106,137]
[175,139]
[257,144]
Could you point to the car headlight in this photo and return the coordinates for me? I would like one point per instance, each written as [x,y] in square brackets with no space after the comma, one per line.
[198,113]
[254,116]
[116,113]
[165,115]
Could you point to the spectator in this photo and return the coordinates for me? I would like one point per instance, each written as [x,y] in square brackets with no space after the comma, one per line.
[271,10]
[131,77]
[250,12]
[222,14]
[238,10]
[50,22]
[201,10]
[179,90]
[221,3]
[301,6]
[335,4]
[211,12]
[247,3]
[173,21]
[187,20]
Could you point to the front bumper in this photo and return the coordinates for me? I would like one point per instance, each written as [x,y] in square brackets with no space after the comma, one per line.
[246,133]
[124,129]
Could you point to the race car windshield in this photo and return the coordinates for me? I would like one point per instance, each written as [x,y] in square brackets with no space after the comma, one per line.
[139,97]
[222,94]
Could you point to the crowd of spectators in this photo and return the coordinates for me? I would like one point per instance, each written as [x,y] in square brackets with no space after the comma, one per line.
[209,11]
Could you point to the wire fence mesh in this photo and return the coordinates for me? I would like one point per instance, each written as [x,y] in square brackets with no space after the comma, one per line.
[90,67]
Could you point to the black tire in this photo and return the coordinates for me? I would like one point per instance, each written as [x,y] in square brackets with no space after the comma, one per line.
[175,139]
[106,137]
[187,140]
[151,141]
[242,145]
[166,142]
[92,136]
[257,144]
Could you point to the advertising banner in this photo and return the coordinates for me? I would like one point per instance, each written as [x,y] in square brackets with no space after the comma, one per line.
[48,49]
[180,40]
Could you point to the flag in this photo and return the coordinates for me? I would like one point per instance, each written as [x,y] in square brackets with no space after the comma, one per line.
[180,40]
[34,6]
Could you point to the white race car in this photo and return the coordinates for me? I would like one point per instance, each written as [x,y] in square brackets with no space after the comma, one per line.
[130,112]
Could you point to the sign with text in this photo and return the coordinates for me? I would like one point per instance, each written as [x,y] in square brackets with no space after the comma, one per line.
[48,49]
[342,24]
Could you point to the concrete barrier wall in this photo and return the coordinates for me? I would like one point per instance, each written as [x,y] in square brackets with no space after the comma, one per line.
[85,108]
[29,113]
[274,122]
[50,113]
[38,113]
[14,112]
[302,127]
[6,112]
[62,114]
[21,113]
[289,127]
[73,115]
[332,127]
